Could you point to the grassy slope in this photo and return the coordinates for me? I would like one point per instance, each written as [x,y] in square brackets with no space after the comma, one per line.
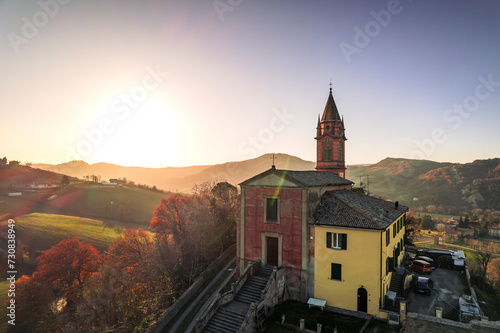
[4,285]
[130,204]
[41,231]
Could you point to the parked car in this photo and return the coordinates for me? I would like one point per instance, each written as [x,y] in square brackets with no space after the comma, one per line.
[421,267]
[432,262]
[424,285]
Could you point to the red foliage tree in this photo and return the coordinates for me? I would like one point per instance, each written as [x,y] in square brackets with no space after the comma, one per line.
[172,217]
[132,250]
[67,265]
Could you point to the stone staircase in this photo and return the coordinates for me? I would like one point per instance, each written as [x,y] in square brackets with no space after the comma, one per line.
[229,317]
[397,282]
[225,320]
[252,289]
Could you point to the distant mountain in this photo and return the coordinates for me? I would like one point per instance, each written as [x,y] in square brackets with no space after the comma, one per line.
[412,182]
[448,186]
[181,179]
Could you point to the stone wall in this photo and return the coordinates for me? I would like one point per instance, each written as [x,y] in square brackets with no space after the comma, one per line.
[419,323]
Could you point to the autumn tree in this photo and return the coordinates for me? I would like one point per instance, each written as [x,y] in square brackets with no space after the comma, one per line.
[67,265]
[494,272]
[179,236]
[223,205]
[34,305]
[57,283]
[132,286]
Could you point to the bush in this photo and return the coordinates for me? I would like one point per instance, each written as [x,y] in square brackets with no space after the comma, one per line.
[445,261]
[480,282]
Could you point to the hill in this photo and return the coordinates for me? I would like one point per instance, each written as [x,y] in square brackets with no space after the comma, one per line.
[41,231]
[43,191]
[416,183]
[127,204]
[181,179]
[449,187]
[21,176]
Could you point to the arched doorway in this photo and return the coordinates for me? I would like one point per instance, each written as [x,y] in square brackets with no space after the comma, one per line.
[362,300]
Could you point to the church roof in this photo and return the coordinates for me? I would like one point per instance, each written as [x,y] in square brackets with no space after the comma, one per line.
[345,208]
[330,113]
[303,178]
[316,178]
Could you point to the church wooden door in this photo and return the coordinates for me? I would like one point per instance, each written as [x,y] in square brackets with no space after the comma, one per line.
[272,251]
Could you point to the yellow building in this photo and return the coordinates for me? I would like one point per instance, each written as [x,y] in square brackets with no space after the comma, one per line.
[358,241]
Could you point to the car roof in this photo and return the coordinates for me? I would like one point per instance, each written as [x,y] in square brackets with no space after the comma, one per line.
[424,258]
[423,279]
[422,261]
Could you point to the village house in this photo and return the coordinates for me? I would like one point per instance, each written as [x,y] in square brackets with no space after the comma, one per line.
[335,244]
[494,232]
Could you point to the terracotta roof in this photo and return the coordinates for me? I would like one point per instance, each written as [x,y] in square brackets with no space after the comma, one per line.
[345,208]
[330,113]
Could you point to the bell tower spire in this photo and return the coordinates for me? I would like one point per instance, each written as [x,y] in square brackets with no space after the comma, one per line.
[330,138]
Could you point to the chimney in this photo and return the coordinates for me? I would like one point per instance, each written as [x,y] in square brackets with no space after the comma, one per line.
[396,205]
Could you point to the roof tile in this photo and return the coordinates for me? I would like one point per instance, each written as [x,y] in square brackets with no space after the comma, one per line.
[345,208]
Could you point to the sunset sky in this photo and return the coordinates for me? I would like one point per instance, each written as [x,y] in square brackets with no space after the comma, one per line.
[171,83]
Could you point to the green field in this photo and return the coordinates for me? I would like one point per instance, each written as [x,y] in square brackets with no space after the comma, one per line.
[128,204]
[40,231]
[4,285]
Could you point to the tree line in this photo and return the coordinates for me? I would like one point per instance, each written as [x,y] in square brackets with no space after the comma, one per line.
[75,288]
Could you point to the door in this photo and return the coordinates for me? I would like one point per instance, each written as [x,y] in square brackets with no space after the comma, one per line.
[272,251]
[362,300]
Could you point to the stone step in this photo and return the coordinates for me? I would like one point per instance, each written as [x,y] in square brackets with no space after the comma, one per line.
[231,313]
[223,323]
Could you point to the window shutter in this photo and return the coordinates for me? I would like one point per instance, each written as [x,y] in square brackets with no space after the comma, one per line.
[328,239]
[343,241]
[336,272]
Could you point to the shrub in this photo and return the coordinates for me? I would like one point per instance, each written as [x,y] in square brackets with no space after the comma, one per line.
[445,261]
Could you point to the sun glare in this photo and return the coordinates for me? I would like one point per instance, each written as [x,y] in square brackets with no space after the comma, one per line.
[145,137]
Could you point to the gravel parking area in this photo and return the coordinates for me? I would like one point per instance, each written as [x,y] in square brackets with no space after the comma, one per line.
[448,287]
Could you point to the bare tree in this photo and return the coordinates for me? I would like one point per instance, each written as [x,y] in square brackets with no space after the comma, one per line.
[482,259]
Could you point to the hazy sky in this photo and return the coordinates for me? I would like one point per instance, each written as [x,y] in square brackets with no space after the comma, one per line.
[171,83]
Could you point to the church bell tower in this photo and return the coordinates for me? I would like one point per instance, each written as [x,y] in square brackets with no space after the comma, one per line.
[330,139]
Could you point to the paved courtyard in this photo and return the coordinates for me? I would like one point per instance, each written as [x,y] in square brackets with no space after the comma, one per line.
[448,287]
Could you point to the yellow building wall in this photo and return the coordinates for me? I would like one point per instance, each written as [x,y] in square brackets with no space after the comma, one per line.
[360,267]
[363,264]
[388,250]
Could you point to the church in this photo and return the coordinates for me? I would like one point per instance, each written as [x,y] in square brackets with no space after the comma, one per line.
[335,244]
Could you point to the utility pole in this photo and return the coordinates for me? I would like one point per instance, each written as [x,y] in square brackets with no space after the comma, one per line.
[368,184]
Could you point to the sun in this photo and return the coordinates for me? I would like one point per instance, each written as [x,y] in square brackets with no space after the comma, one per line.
[146,137]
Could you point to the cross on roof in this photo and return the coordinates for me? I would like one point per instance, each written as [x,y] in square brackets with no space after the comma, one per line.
[273,157]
